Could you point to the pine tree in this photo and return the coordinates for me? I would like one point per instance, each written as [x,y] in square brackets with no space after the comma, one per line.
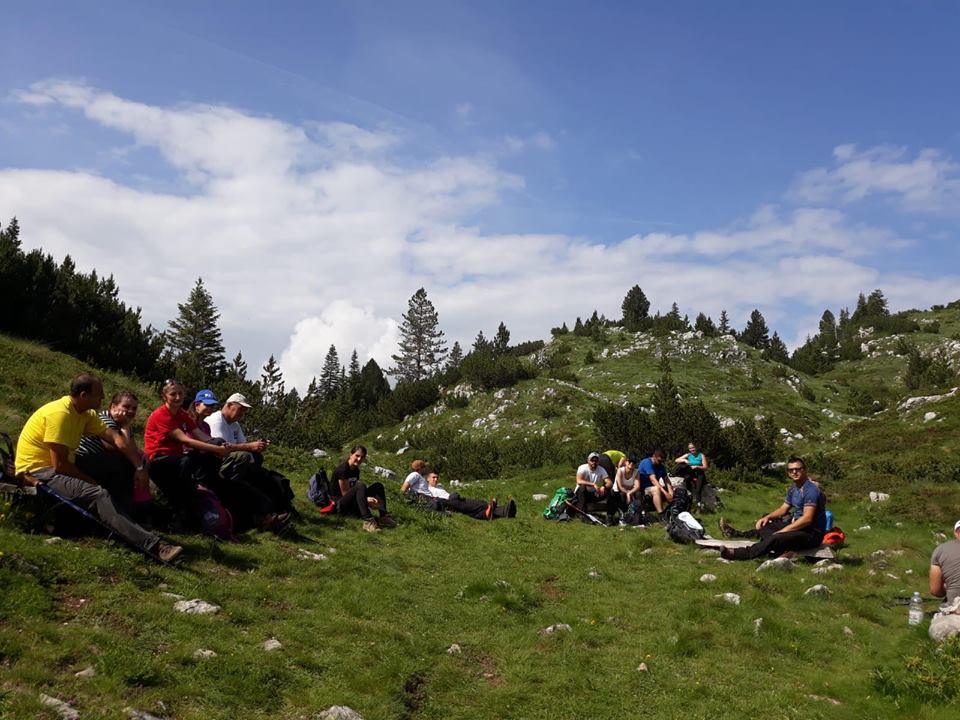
[330,376]
[723,327]
[636,308]
[354,372]
[828,329]
[194,341]
[373,384]
[456,356]
[481,344]
[422,347]
[501,341]
[272,388]
[239,367]
[756,334]
[777,351]
[578,327]
[704,324]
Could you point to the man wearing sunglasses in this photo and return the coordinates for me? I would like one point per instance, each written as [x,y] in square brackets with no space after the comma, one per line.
[799,523]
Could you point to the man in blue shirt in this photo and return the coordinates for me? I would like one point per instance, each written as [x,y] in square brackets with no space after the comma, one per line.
[654,481]
[799,523]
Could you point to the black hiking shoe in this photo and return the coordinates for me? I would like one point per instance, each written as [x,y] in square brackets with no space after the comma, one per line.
[512,509]
[726,529]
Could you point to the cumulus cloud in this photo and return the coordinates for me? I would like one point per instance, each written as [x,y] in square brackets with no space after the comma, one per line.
[928,182]
[313,234]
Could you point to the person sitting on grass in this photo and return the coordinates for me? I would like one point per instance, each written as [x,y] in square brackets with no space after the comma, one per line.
[592,484]
[46,453]
[436,498]
[691,466]
[204,404]
[611,461]
[798,524]
[944,582]
[654,482]
[626,485]
[354,497]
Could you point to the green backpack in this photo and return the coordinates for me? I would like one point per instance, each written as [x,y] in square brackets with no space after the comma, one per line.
[557,506]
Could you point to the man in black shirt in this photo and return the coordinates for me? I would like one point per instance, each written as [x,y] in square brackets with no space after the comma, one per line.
[354,497]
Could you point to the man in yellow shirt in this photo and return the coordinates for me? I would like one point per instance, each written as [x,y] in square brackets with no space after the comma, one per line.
[46,452]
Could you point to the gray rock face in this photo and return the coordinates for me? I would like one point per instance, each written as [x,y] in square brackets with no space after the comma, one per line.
[196,607]
[384,472]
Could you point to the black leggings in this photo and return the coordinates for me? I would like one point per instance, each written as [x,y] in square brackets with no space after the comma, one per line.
[775,543]
[354,501]
[694,478]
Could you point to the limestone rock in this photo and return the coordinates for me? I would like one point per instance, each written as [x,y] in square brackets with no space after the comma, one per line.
[135,714]
[318,453]
[642,667]
[818,590]
[928,416]
[63,711]
[384,472]
[729,597]
[272,644]
[196,607]
[847,631]
[339,712]
[877,497]
[780,563]
[204,654]
[539,497]
[454,650]
[307,555]
[87,672]
[554,629]
[757,624]
[826,569]
[708,578]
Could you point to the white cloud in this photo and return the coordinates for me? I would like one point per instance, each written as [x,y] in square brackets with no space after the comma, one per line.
[317,234]
[536,141]
[929,182]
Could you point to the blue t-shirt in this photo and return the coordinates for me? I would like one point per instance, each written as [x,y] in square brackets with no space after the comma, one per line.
[647,468]
[809,494]
[694,460]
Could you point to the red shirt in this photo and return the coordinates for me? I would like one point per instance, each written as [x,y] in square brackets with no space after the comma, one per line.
[159,424]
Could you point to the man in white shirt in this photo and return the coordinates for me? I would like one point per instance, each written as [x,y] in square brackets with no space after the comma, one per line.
[593,483]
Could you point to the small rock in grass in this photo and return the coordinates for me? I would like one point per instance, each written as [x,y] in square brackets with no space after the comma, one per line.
[203,654]
[52,540]
[729,597]
[339,712]
[307,555]
[196,607]
[708,578]
[709,552]
[892,576]
[898,524]
[819,590]
[824,698]
[877,554]
[558,628]
[908,572]
[847,631]
[594,573]
[825,569]
[135,714]
[272,644]
[87,672]
[940,536]
[877,497]
[454,650]
[780,563]
[724,561]
[642,667]
[864,528]
[64,711]
[757,624]
[648,551]
[539,497]
[928,416]
[173,596]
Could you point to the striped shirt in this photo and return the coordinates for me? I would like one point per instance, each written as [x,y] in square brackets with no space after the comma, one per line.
[92,445]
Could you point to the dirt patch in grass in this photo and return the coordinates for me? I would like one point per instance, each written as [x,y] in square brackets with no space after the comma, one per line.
[549,589]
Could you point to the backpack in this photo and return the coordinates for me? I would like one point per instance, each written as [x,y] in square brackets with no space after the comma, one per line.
[275,486]
[682,502]
[683,528]
[556,509]
[834,536]
[709,498]
[318,489]
[213,517]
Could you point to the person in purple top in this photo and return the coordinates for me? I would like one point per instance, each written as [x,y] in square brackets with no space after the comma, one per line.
[799,523]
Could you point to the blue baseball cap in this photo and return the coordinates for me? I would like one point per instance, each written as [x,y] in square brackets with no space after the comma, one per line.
[206,397]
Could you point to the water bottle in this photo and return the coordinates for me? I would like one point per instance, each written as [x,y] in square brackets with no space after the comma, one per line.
[829,516]
[915,614]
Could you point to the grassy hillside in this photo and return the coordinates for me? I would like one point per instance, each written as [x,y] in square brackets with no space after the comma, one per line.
[372,624]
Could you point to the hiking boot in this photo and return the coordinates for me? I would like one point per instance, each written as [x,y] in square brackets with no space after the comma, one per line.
[512,509]
[727,553]
[371,526]
[167,552]
[726,529]
[387,521]
[491,509]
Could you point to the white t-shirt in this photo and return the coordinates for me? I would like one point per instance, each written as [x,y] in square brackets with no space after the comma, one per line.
[231,432]
[595,476]
[627,482]
[417,483]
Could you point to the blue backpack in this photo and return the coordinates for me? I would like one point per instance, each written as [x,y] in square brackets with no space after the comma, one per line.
[318,489]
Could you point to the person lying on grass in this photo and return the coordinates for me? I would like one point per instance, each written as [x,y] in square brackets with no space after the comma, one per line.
[438,499]
[46,453]
[354,497]
[798,524]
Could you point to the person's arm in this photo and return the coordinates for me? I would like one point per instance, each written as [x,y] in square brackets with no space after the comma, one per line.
[681,459]
[60,462]
[405,485]
[199,440]
[805,520]
[772,515]
[344,485]
[581,480]
[252,446]
[128,448]
[937,586]
[705,464]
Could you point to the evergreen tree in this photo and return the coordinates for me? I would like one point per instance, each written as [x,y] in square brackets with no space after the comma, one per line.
[354,372]
[501,341]
[636,308]
[239,367]
[828,329]
[578,327]
[194,342]
[456,355]
[723,327]
[422,347]
[562,330]
[373,384]
[704,324]
[777,350]
[481,344]
[272,388]
[756,334]
[330,381]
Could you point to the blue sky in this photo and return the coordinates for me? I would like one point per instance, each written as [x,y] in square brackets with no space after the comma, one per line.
[525,162]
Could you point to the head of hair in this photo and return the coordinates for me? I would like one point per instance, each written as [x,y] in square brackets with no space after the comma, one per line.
[169,384]
[633,458]
[361,448]
[419,466]
[796,459]
[83,383]
[658,453]
[123,395]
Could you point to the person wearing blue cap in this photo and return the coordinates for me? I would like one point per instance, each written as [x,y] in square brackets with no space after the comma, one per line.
[205,403]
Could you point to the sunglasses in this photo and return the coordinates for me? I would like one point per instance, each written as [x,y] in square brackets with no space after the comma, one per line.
[795,470]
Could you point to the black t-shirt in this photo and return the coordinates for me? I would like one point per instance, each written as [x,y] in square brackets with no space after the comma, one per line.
[343,471]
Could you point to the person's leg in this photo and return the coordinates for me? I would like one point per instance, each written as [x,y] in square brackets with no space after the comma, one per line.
[474,508]
[114,473]
[699,480]
[779,543]
[237,466]
[654,493]
[97,501]
[354,502]
[583,495]
[615,504]
[171,475]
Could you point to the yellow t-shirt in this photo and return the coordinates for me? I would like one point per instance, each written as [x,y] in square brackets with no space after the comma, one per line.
[56,422]
[615,456]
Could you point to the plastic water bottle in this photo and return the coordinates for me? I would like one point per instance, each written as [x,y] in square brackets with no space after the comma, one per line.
[915,614]
[829,517]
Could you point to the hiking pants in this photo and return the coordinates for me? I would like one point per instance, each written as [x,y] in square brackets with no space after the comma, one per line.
[95,500]
[774,543]
[177,477]
[474,508]
[354,501]
[694,478]
[232,482]
[114,473]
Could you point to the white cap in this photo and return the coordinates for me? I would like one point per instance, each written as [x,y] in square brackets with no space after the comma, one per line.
[239,399]
[593,455]
[956,526]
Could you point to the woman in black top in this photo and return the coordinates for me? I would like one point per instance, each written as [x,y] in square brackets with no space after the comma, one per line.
[355,496]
